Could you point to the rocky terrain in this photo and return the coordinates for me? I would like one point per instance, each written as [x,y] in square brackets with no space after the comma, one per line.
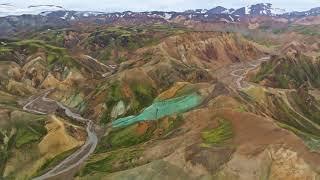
[202,94]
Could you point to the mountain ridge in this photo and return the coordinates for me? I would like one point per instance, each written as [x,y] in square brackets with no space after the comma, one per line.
[255,9]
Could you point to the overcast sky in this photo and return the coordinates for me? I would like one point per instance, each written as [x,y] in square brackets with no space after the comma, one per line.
[166,5]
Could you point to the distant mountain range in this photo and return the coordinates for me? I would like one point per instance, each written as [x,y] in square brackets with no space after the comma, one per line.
[14,19]
[261,9]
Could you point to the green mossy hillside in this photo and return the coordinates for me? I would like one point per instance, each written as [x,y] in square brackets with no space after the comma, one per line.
[219,135]
[140,96]
[113,43]
[289,72]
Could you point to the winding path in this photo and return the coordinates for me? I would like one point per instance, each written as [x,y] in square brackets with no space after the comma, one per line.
[240,80]
[109,67]
[241,77]
[78,157]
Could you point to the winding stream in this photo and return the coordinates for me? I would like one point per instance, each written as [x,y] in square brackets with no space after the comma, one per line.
[78,157]
[241,77]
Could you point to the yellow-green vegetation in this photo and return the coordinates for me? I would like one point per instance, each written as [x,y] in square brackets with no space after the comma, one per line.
[112,161]
[4,68]
[288,72]
[312,141]
[124,137]
[219,135]
[136,134]
[75,100]
[50,163]
[19,133]
[289,116]
[241,108]
[143,95]
[7,99]
[298,113]
[54,37]
[5,50]
[258,93]
[186,90]
[55,55]
[113,97]
[37,144]
[312,30]
[262,40]
[265,69]
[173,124]
[123,39]
[29,133]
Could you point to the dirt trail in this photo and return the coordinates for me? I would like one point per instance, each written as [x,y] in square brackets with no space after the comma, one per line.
[282,92]
[78,157]
[110,68]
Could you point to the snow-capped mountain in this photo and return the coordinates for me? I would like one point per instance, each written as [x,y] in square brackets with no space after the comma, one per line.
[261,9]
[218,13]
[13,19]
[311,12]
[264,9]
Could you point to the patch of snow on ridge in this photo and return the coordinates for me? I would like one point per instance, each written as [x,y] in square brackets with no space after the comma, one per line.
[278,11]
[45,13]
[203,11]
[65,16]
[225,11]
[90,13]
[247,10]
[264,12]
[231,18]
[167,16]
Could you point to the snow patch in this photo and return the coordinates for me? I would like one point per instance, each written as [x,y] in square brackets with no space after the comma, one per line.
[225,11]
[278,11]
[65,16]
[224,20]
[247,10]
[167,16]
[203,11]
[231,18]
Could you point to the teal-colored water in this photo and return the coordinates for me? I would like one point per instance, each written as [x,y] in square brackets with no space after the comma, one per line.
[161,109]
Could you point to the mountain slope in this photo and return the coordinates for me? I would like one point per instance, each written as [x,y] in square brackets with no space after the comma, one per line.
[166,101]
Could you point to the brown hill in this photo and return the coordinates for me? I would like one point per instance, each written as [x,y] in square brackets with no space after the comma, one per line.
[208,50]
